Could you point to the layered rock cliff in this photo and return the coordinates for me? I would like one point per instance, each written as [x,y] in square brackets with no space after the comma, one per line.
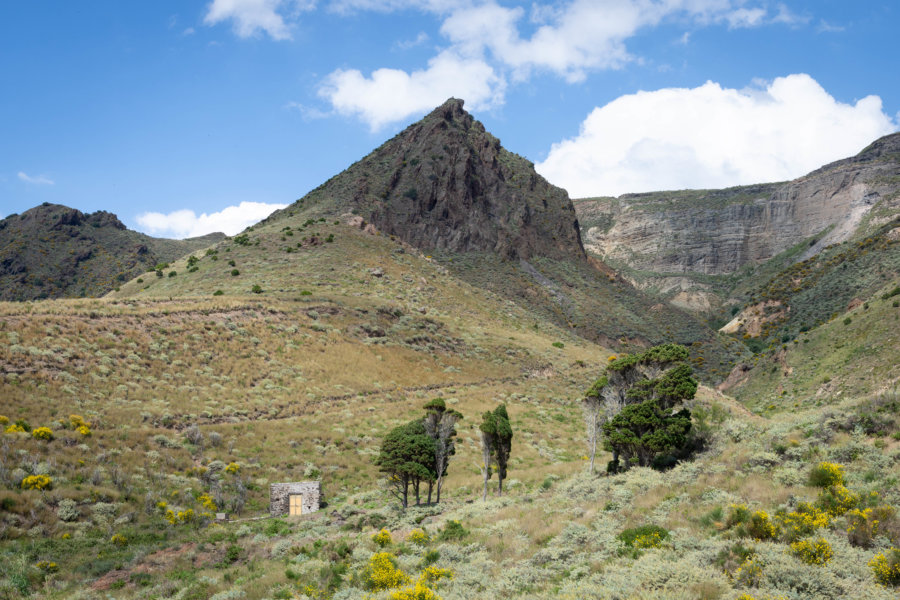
[718,232]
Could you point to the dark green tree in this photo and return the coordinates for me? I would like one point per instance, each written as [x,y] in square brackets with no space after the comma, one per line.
[496,445]
[639,395]
[407,457]
[440,426]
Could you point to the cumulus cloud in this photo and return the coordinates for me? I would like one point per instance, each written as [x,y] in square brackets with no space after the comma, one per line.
[185,223]
[487,48]
[35,180]
[252,16]
[389,95]
[711,137]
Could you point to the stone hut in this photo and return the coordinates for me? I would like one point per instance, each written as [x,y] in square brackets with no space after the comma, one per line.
[298,498]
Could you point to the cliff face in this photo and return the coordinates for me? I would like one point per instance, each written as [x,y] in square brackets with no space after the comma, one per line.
[720,231]
[53,251]
[446,184]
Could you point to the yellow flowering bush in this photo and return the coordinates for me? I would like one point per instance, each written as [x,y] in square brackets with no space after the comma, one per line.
[382,538]
[15,428]
[826,474]
[4,420]
[737,513]
[118,539]
[232,468]
[37,482]
[77,421]
[760,527]
[418,536]
[886,567]
[84,430]
[207,502]
[47,566]
[799,523]
[837,500]
[418,592]
[181,517]
[42,433]
[434,574]
[650,540]
[816,552]
[382,574]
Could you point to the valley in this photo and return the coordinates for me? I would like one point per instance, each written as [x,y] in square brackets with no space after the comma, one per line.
[442,265]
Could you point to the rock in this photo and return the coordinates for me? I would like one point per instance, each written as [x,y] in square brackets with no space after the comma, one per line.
[716,232]
[376,272]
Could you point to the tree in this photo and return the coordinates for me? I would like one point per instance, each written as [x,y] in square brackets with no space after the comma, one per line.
[638,395]
[496,445]
[407,457]
[592,406]
[440,426]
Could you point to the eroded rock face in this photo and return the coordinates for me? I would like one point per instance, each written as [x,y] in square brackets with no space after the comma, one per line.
[446,184]
[719,231]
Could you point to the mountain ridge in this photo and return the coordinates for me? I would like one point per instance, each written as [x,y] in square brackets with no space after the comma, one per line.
[53,251]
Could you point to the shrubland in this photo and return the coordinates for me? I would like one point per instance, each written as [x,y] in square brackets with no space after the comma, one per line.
[169,401]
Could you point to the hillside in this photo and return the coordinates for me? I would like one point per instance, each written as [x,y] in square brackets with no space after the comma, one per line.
[290,351]
[52,251]
[692,246]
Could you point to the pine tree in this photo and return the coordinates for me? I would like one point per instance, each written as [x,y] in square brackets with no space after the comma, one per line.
[407,457]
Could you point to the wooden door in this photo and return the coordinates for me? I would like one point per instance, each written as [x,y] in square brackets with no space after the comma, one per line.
[296,504]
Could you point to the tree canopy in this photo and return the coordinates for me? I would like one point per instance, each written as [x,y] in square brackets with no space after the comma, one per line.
[496,444]
[638,395]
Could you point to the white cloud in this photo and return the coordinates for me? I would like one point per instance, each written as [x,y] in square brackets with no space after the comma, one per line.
[252,16]
[407,44]
[36,180]
[487,47]
[436,6]
[712,137]
[185,223]
[389,95]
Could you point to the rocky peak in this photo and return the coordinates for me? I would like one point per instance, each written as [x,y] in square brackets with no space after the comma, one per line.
[445,184]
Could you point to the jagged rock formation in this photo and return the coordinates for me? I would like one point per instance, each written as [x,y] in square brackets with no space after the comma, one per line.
[716,232]
[53,251]
[446,184]
[446,187]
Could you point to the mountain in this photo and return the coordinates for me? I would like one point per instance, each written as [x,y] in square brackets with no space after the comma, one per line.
[447,189]
[52,251]
[692,246]
[445,184]
[289,353]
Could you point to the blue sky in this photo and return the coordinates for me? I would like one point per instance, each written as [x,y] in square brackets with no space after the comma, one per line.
[187,116]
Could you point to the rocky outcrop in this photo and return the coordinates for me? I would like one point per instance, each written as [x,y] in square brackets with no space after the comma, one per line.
[444,184]
[53,251]
[715,232]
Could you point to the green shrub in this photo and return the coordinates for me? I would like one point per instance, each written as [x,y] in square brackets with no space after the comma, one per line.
[218,293]
[645,536]
[826,474]
[452,531]
[235,272]
[256,289]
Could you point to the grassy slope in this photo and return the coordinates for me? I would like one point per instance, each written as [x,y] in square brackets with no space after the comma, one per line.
[833,361]
[294,387]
